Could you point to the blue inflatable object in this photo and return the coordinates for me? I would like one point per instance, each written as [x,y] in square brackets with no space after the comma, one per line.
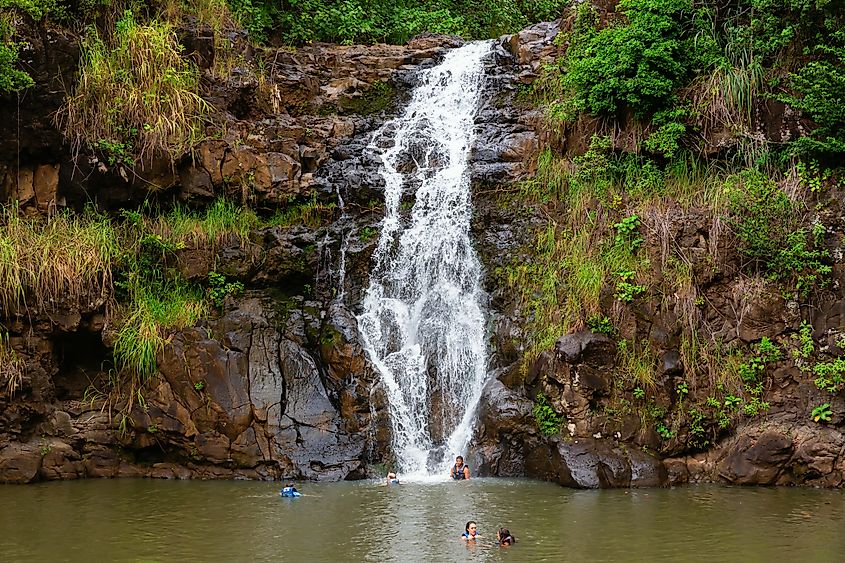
[290,492]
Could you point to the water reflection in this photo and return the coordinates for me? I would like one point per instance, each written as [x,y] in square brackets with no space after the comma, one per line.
[246,521]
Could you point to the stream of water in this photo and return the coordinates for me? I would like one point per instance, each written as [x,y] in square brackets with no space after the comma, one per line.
[423,320]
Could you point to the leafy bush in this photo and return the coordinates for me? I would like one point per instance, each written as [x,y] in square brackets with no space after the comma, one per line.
[764,219]
[820,87]
[601,324]
[830,376]
[635,63]
[219,288]
[390,21]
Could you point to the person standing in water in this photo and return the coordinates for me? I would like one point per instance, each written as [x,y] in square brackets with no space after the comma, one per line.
[459,471]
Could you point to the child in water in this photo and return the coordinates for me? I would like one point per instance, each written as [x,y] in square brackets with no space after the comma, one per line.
[391,479]
[504,537]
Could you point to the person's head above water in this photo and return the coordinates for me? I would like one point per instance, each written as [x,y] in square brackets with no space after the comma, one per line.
[459,461]
[471,529]
[391,475]
[504,537]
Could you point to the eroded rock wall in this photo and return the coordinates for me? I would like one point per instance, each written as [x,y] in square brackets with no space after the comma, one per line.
[275,384]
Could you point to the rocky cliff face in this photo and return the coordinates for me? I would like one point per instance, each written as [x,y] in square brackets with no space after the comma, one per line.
[276,383]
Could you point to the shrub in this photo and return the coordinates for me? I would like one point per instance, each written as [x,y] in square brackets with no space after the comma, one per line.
[635,63]
[390,21]
[764,219]
[219,288]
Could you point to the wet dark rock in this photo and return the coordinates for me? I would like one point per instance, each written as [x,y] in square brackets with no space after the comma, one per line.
[594,464]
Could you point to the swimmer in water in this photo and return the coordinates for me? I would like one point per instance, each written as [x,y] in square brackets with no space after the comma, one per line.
[392,479]
[289,491]
[471,533]
[504,538]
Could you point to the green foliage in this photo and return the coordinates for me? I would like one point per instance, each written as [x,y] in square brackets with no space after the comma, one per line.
[12,79]
[761,214]
[548,420]
[639,393]
[153,307]
[764,220]
[752,370]
[601,324]
[136,95]
[698,428]
[804,340]
[46,262]
[635,62]
[830,376]
[732,402]
[311,213]
[219,288]
[664,431]
[389,21]
[819,86]
[755,406]
[628,233]
[822,413]
[666,139]
[625,290]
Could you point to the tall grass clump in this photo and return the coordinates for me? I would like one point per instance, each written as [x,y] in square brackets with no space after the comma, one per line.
[66,257]
[11,366]
[136,96]
[223,217]
[311,213]
[152,310]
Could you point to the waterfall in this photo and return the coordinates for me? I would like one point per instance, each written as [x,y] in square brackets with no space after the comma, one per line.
[423,322]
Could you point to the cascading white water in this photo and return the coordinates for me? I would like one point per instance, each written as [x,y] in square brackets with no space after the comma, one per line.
[423,321]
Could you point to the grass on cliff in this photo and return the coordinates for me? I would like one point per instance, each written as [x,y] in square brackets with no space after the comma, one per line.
[11,366]
[153,309]
[311,213]
[64,259]
[137,97]
[222,217]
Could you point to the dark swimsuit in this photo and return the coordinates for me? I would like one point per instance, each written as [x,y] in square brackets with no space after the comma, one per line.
[459,475]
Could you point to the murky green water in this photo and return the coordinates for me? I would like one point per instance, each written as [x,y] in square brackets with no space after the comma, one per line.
[144,520]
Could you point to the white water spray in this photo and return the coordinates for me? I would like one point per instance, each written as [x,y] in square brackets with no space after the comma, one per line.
[423,321]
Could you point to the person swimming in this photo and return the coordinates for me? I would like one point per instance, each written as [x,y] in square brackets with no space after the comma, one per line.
[289,491]
[504,537]
[471,533]
[392,479]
